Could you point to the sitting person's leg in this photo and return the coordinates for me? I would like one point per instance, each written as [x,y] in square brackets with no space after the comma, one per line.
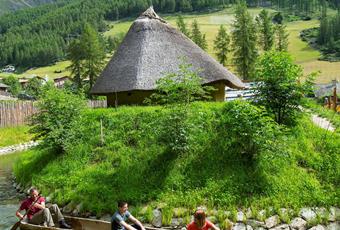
[42,217]
[136,226]
[58,216]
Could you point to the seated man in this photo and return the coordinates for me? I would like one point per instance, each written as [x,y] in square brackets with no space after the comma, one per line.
[37,213]
[119,219]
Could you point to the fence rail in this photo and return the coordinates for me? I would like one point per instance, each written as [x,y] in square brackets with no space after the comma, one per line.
[14,113]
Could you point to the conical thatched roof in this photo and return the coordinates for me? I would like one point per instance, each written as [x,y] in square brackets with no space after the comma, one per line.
[152,49]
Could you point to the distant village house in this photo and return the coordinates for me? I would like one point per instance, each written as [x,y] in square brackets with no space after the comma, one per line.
[3,87]
[8,69]
[150,50]
[60,81]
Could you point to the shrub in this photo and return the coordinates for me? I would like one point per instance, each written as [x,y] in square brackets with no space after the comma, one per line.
[57,114]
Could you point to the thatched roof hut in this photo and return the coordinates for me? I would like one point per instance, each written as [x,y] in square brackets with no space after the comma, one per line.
[150,50]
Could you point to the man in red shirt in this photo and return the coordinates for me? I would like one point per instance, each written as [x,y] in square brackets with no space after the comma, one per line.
[37,213]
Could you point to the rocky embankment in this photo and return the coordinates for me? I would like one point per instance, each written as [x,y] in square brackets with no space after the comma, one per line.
[17,148]
[315,218]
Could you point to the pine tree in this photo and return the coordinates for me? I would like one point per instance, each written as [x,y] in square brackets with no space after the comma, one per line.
[266,31]
[182,26]
[76,56]
[197,36]
[221,45]
[244,42]
[93,53]
[281,37]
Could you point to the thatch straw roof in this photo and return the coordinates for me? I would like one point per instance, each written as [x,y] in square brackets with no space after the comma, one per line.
[150,50]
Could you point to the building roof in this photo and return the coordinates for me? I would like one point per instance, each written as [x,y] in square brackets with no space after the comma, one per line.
[322,90]
[150,50]
[2,85]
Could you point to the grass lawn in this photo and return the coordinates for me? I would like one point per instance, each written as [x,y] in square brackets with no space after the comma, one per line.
[50,71]
[14,135]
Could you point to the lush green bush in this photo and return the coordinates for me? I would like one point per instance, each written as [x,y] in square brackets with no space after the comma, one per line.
[235,157]
[58,112]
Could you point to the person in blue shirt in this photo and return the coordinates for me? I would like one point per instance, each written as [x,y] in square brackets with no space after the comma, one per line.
[119,218]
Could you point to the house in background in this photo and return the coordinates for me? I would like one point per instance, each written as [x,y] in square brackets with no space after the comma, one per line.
[150,50]
[3,88]
[8,69]
[60,81]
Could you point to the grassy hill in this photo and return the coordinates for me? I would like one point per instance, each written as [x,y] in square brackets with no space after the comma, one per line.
[7,6]
[232,156]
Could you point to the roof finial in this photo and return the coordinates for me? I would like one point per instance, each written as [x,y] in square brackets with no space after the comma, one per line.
[150,13]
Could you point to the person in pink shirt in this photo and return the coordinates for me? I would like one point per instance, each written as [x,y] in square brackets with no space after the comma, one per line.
[200,222]
[37,213]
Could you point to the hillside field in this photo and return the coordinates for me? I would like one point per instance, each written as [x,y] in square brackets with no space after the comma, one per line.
[209,24]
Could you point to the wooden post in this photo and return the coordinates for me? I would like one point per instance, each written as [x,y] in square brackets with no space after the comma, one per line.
[101,132]
[334,99]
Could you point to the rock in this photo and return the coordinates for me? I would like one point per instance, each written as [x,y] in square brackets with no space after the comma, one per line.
[298,223]
[255,223]
[333,226]
[69,207]
[248,227]
[249,213]
[176,222]
[183,228]
[318,227]
[281,227]
[240,216]
[106,217]
[239,226]
[157,218]
[334,214]
[260,228]
[307,214]
[93,217]
[272,221]
[261,215]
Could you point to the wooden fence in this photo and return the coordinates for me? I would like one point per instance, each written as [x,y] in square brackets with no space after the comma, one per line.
[14,113]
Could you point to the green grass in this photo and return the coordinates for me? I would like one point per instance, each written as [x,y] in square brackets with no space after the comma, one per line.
[14,135]
[293,168]
[51,71]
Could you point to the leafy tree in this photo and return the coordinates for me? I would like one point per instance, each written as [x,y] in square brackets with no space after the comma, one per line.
[279,89]
[221,45]
[182,87]
[197,36]
[58,110]
[34,87]
[281,37]
[244,42]
[182,26]
[14,85]
[266,30]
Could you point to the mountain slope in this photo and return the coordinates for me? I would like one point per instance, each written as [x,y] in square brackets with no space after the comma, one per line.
[13,5]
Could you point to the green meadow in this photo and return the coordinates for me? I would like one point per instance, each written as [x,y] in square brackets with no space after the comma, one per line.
[14,135]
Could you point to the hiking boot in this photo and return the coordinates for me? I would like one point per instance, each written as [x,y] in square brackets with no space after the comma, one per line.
[63,224]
